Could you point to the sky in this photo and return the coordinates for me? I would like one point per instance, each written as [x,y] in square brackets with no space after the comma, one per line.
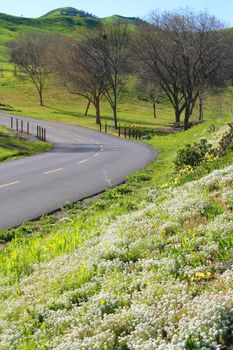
[223,9]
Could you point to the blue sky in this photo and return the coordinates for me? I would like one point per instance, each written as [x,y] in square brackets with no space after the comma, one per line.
[223,9]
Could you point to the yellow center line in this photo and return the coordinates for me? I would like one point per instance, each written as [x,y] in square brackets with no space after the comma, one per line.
[83,161]
[53,171]
[10,184]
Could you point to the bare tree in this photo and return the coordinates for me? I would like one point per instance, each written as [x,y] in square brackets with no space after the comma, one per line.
[183,50]
[112,47]
[96,67]
[81,71]
[31,54]
[150,88]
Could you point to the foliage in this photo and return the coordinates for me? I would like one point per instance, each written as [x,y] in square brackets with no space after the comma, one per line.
[193,154]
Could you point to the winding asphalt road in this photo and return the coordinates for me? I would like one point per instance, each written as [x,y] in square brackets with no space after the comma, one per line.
[82,163]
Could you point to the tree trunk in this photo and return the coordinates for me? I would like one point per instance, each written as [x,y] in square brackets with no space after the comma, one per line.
[115,116]
[88,106]
[201,109]
[41,98]
[154,109]
[115,110]
[97,110]
[186,119]
[177,114]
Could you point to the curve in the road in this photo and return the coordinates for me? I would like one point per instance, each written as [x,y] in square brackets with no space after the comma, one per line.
[83,162]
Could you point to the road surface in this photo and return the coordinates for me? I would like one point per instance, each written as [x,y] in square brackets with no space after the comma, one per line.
[82,163]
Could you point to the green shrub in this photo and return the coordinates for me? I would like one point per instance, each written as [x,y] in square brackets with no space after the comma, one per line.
[193,154]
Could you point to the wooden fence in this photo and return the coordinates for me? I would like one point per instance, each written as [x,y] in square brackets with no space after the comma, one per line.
[126,131]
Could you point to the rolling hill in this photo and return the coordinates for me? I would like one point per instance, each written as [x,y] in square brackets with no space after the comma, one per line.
[65,20]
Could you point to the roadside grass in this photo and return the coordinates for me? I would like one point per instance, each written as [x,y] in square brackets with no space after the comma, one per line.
[122,199]
[14,147]
[138,246]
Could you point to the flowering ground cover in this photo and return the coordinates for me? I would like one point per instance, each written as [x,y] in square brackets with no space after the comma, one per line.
[146,266]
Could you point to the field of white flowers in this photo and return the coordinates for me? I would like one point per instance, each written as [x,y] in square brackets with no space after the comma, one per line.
[159,278]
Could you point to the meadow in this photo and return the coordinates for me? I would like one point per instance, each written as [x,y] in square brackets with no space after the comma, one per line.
[61,106]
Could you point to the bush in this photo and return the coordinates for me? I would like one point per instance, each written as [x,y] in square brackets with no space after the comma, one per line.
[193,154]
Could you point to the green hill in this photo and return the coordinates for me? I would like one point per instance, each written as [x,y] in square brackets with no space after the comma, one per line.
[68,11]
[67,20]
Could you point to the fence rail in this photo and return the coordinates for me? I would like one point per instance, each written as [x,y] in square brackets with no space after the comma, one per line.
[23,127]
[126,131]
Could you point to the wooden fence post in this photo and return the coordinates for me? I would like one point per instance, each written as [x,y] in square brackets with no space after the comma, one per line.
[17,124]
[106,128]
[27,128]
[119,130]
[12,123]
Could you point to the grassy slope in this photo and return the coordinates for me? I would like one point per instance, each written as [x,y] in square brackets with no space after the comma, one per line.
[94,276]
[64,107]
[12,147]
[12,26]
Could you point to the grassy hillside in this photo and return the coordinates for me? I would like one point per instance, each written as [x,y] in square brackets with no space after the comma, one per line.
[64,20]
[68,11]
[145,266]
[12,147]
[64,107]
